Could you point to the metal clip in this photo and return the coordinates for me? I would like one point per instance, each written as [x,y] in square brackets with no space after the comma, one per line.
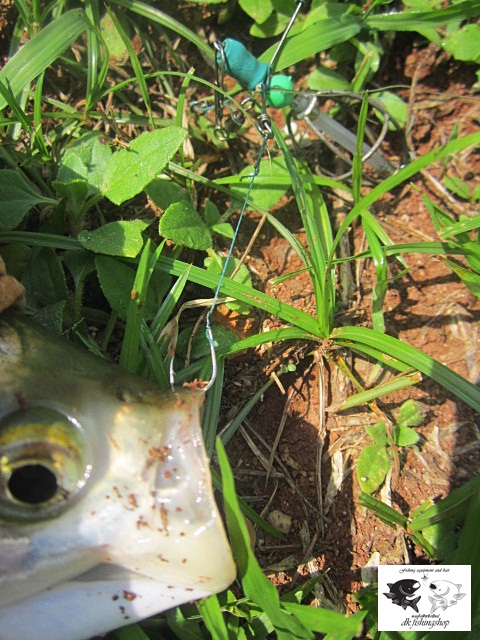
[219,80]
[264,125]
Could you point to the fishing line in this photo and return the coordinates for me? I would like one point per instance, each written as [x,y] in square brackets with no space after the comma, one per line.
[234,59]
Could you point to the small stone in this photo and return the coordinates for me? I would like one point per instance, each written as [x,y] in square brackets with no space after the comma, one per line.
[280,521]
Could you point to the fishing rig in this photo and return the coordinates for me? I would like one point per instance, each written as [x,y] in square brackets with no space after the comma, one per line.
[268,90]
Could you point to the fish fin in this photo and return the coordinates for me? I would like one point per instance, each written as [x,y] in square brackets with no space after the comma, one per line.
[390,595]
[459,596]
[413,603]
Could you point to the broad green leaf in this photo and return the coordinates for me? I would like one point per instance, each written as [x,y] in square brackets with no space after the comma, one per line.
[113,41]
[224,229]
[182,224]
[463,43]
[122,238]
[372,468]
[117,282]
[44,279]
[377,433]
[395,106]
[324,79]
[43,49]
[265,194]
[405,436]
[410,414]
[166,192]
[199,347]
[215,264]
[51,316]
[258,10]
[75,193]
[18,197]
[80,264]
[87,159]
[212,214]
[131,170]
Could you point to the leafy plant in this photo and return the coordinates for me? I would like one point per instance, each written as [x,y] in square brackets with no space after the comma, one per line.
[375,459]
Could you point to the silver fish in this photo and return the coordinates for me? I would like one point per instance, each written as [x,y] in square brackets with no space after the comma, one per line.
[107,514]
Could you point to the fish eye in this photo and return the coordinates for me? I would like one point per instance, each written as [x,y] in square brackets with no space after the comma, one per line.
[42,464]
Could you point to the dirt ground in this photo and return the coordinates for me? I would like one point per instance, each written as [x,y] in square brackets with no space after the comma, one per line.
[427,308]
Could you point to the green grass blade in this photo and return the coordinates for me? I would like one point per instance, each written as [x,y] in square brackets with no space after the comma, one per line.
[255,584]
[136,65]
[401,176]
[316,222]
[130,354]
[229,431]
[428,248]
[132,632]
[212,408]
[416,20]
[459,386]
[169,303]
[18,113]
[243,293]
[276,335]
[247,510]
[212,616]
[447,507]
[93,52]
[399,382]
[381,272]
[320,620]
[357,159]
[155,15]
[154,358]
[383,511]
[43,49]
[319,36]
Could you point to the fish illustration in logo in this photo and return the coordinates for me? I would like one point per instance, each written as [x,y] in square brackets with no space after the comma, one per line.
[401,591]
[444,594]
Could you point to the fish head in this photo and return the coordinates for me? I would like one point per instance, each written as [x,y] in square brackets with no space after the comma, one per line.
[107,513]
[407,587]
[441,588]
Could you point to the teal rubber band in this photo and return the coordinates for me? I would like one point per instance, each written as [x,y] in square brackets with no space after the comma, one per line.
[242,65]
